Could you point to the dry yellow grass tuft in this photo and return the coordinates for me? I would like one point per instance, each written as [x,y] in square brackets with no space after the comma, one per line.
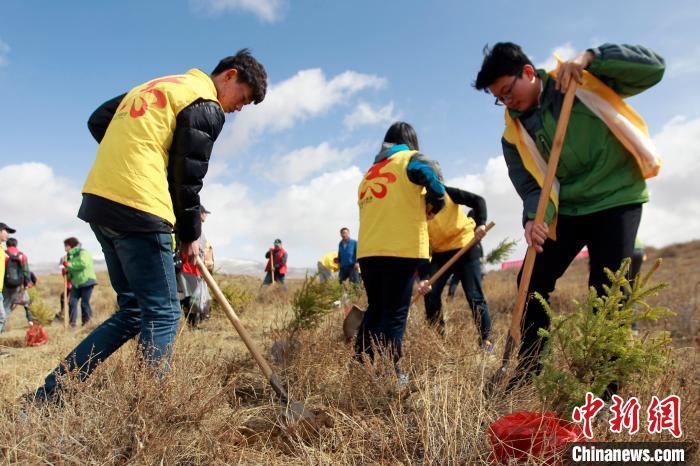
[214,407]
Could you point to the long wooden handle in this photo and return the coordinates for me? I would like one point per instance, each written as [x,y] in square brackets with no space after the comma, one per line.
[452,260]
[65,301]
[272,265]
[219,296]
[529,263]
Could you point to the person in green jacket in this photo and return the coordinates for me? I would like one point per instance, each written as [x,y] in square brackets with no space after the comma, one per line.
[601,185]
[81,274]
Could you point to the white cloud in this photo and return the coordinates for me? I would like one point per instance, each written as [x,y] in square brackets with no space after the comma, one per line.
[218,168]
[306,94]
[687,65]
[307,217]
[565,52]
[266,10]
[673,213]
[364,115]
[298,164]
[233,216]
[502,202]
[42,207]
[4,51]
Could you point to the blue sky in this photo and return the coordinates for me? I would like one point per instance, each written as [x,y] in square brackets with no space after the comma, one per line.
[340,73]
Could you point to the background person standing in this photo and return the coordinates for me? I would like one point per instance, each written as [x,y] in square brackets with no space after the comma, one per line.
[278,257]
[349,268]
[81,274]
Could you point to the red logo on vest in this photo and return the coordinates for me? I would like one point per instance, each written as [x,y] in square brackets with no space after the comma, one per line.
[143,97]
[378,188]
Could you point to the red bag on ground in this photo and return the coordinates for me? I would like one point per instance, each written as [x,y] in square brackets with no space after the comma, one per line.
[36,335]
[522,435]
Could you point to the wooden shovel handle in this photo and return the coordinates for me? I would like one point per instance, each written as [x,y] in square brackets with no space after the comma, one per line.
[529,263]
[452,260]
[65,301]
[231,314]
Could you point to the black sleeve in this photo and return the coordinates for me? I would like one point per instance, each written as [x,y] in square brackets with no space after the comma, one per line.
[100,118]
[468,199]
[267,255]
[197,127]
[283,261]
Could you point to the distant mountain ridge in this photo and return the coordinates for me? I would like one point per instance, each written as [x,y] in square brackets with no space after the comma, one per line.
[227,266]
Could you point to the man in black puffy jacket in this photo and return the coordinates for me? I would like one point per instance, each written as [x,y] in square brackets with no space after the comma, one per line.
[155,143]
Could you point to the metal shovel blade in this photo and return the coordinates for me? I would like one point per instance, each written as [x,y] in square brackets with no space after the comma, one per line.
[352,322]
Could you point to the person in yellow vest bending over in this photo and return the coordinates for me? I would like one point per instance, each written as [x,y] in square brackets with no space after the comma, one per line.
[450,231]
[600,183]
[155,143]
[393,238]
[327,265]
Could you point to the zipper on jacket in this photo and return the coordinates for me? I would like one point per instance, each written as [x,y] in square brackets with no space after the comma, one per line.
[543,143]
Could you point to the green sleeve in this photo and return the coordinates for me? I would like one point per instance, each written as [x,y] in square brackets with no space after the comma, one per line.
[25,270]
[75,264]
[627,69]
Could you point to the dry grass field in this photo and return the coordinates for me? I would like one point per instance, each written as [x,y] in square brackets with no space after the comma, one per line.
[214,407]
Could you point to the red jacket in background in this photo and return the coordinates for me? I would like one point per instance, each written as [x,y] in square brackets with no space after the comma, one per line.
[280,256]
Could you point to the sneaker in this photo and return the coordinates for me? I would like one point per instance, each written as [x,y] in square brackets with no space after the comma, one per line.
[487,347]
[402,379]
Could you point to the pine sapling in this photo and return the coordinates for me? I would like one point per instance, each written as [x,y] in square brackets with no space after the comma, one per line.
[595,345]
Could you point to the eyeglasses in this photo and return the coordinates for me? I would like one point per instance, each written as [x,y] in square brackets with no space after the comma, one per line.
[500,100]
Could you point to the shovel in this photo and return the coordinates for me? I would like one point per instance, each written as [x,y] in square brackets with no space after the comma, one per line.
[446,266]
[515,333]
[65,302]
[293,410]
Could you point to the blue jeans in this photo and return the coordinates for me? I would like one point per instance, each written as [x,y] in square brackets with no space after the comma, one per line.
[468,271]
[349,272]
[9,297]
[279,279]
[83,294]
[142,273]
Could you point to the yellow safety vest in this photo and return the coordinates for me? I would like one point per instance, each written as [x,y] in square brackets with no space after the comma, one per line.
[622,120]
[131,167]
[328,261]
[451,228]
[392,211]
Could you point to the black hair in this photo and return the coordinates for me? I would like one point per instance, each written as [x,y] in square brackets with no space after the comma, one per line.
[503,59]
[250,71]
[343,229]
[11,242]
[402,133]
[72,241]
